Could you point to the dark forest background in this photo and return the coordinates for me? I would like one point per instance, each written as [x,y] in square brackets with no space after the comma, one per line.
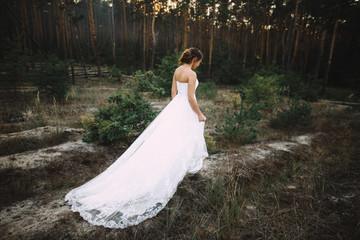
[319,40]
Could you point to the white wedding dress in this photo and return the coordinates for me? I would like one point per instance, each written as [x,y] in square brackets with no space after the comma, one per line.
[144,178]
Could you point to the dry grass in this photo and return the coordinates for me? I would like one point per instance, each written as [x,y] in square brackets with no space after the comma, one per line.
[21,144]
[29,112]
[311,194]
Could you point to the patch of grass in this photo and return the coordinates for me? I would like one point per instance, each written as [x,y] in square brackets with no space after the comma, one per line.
[18,184]
[21,144]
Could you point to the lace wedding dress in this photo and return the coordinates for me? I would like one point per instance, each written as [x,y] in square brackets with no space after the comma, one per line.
[144,178]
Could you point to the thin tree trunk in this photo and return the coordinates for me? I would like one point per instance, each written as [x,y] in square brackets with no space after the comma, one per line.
[24,22]
[93,34]
[319,59]
[153,41]
[125,24]
[307,53]
[144,38]
[245,49]
[62,27]
[293,32]
[71,43]
[330,58]
[112,31]
[268,37]
[283,45]
[276,46]
[298,28]
[186,20]
[176,33]
[134,35]
[211,37]
[262,45]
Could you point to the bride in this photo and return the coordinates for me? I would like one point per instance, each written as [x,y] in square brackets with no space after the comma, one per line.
[138,185]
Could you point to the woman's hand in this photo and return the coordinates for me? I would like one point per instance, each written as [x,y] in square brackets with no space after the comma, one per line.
[201,117]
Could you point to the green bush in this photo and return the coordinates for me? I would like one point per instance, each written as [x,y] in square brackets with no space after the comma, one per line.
[296,88]
[292,84]
[298,114]
[51,77]
[228,70]
[49,74]
[145,83]
[13,67]
[206,90]
[240,123]
[124,119]
[165,71]
[264,90]
[115,72]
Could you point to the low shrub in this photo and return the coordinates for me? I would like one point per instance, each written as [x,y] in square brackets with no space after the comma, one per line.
[145,83]
[115,73]
[52,78]
[124,119]
[165,71]
[264,90]
[206,90]
[298,114]
[240,123]
[296,88]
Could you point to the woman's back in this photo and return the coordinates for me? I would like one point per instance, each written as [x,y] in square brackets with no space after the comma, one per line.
[182,74]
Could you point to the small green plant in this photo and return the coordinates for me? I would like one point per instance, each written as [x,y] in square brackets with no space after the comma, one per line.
[298,114]
[125,118]
[115,72]
[145,83]
[264,90]
[206,90]
[296,88]
[240,123]
[52,78]
[165,71]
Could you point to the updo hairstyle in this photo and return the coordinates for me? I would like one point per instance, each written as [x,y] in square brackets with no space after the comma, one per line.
[189,54]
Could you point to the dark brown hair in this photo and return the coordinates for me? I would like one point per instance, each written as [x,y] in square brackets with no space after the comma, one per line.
[189,54]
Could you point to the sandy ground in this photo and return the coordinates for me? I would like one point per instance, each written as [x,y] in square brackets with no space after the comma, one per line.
[47,210]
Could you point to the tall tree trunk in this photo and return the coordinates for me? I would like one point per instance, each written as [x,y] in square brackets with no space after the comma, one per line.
[153,40]
[62,27]
[93,34]
[211,36]
[298,28]
[262,44]
[176,33]
[186,21]
[319,59]
[56,11]
[307,52]
[134,35]
[330,58]
[246,47]
[24,23]
[125,24]
[293,31]
[276,45]
[283,44]
[268,36]
[288,44]
[70,27]
[112,31]
[144,38]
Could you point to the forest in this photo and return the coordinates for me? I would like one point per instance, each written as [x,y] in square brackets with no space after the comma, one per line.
[318,38]
[279,84]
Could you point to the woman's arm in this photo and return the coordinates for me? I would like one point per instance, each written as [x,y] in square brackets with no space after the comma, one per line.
[191,97]
[173,88]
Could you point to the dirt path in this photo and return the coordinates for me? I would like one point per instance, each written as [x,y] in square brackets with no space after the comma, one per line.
[37,216]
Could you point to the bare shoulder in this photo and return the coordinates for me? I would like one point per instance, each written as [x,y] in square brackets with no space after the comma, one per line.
[192,75]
